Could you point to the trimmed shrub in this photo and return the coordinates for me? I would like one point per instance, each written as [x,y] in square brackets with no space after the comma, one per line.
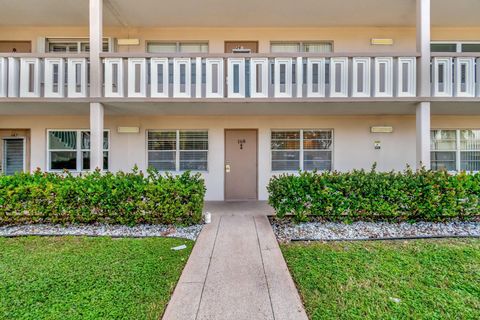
[115,198]
[370,195]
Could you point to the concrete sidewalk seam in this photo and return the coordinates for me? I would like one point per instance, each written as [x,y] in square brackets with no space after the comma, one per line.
[263,266]
[208,268]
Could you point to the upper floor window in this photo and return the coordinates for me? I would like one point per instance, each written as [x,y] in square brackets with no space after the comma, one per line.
[455,150]
[72,45]
[455,46]
[174,47]
[294,150]
[301,46]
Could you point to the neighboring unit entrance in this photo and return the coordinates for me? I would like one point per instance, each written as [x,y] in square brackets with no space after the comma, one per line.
[13,155]
[240,164]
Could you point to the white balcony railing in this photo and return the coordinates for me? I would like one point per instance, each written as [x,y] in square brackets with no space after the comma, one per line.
[456,75]
[49,76]
[256,77]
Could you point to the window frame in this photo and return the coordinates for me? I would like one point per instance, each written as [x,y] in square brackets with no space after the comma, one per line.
[302,150]
[177,149]
[458,149]
[302,43]
[458,47]
[78,41]
[78,150]
[177,44]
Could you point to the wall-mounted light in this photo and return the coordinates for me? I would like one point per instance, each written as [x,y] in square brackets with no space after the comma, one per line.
[381,42]
[128,42]
[128,129]
[381,129]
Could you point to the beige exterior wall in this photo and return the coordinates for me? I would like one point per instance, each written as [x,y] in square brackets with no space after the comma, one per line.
[353,142]
[347,39]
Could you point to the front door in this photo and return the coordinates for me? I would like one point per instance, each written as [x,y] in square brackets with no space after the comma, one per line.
[13,155]
[240,164]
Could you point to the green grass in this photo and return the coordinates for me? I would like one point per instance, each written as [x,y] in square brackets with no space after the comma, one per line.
[434,279]
[88,278]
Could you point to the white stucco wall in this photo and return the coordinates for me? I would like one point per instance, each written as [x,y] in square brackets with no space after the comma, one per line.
[353,142]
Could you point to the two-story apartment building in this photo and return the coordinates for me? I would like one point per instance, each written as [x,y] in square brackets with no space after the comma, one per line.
[239,90]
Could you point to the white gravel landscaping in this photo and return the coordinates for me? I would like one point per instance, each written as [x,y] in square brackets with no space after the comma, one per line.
[190,232]
[287,231]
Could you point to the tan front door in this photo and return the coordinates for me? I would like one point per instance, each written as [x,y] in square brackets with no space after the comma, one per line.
[240,164]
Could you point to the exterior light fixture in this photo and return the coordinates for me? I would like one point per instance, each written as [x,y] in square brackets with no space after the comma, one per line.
[381,42]
[128,130]
[128,42]
[381,129]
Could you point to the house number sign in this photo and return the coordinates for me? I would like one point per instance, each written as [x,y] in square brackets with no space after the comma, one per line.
[241,142]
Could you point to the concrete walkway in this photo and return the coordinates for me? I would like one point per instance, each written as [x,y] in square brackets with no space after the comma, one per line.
[236,270]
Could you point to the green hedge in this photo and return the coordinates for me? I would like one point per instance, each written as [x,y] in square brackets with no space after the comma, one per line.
[369,195]
[116,198]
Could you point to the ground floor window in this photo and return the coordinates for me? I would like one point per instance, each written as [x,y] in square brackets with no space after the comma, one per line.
[307,149]
[455,150]
[178,150]
[70,150]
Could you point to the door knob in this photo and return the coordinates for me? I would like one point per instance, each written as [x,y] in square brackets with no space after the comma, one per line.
[227,168]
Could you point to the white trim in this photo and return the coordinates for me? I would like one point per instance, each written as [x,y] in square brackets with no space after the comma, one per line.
[13,77]
[287,92]
[343,63]
[198,77]
[232,62]
[73,77]
[3,77]
[177,89]
[263,63]
[211,91]
[365,90]
[50,64]
[320,77]
[132,77]
[299,77]
[412,77]
[26,77]
[387,62]
[109,80]
[154,63]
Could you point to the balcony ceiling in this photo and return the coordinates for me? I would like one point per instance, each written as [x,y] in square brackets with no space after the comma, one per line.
[234,13]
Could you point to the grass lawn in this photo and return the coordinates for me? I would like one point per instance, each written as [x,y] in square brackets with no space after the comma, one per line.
[433,279]
[88,278]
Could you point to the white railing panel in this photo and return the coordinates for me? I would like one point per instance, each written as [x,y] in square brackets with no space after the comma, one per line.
[182,83]
[299,77]
[114,78]
[442,77]
[54,80]
[384,77]
[259,78]
[407,77]
[236,77]
[478,76]
[3,77]
[361,77]
[159,77]
[465,77]
[29,77]
[214,78]
[13,77]
[339,77]
[77,77]
[137,77]
[315,77]
[283,78]
[198,77]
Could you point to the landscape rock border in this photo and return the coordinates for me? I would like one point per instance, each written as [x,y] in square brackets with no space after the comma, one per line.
[286,231]
[99,230]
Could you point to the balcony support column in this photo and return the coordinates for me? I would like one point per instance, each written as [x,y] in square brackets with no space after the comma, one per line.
[423,135]
[96,135]
[96,45]
[423,47]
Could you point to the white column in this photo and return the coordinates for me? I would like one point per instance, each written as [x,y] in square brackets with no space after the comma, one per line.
[96,109]
[423,108]
[96,135]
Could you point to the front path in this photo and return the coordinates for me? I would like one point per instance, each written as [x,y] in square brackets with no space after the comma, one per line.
[236,270]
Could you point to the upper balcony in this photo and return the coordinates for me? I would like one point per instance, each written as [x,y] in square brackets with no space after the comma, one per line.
[354,70]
